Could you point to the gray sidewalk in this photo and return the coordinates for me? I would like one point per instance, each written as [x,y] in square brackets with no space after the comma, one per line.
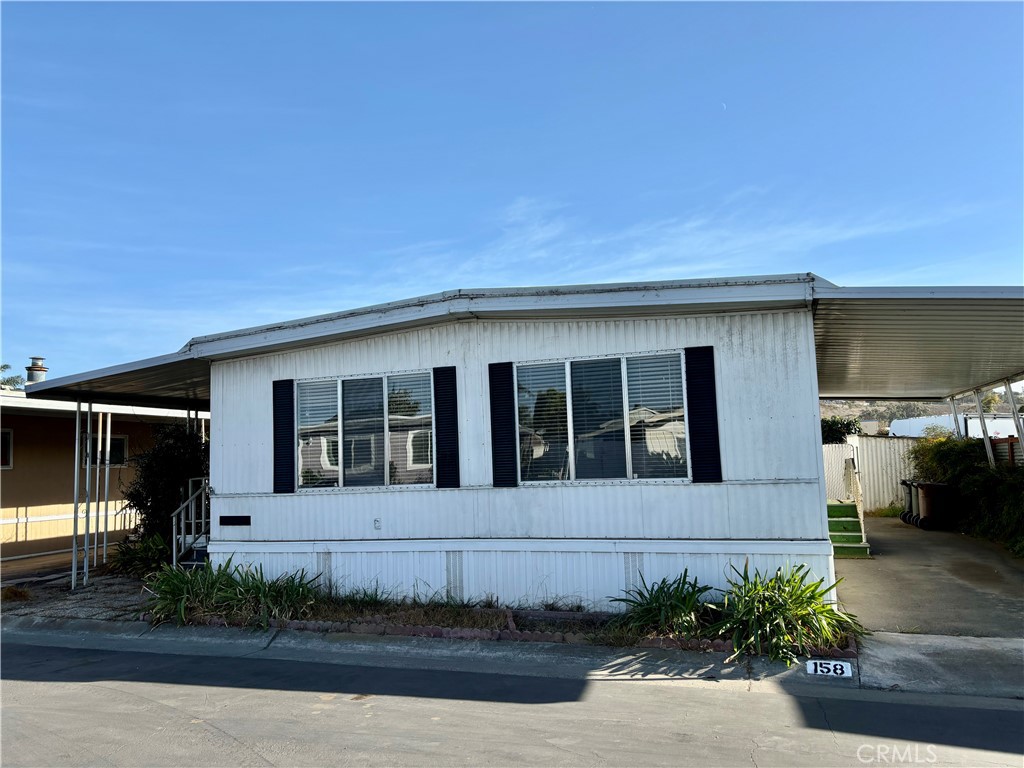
[986,668]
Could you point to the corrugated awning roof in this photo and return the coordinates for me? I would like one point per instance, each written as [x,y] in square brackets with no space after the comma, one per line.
[878,343]
[916,343]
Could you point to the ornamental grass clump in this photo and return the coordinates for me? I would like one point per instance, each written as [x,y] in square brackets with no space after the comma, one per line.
[677,606]
[236,593]
[782,615]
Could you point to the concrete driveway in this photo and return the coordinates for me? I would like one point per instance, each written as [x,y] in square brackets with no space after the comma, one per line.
[933,582]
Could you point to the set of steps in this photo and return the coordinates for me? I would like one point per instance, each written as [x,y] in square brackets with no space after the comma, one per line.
[846,532]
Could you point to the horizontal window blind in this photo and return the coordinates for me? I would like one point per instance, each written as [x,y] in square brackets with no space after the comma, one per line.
[657,426]
[543,422]
[318,434]
[410,429]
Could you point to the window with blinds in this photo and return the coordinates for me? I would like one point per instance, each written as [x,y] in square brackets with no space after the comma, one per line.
[410,429]
[587,404]
[375,442]
[543,422]
[657,429]
[317,411]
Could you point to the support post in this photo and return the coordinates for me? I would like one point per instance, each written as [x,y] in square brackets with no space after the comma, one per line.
[984,430]
[956,419]
[106,486]
[88,491]
[1017,420]
[78,477]
[96,518]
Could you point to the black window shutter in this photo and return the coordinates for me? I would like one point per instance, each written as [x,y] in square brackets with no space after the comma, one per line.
[446,427]
[504,453]
[284,436]
[702,403]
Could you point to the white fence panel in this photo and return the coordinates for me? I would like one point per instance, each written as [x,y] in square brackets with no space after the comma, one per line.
[835,464]
[882,462]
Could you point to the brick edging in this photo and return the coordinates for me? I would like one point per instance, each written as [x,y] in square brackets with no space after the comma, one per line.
[377,625]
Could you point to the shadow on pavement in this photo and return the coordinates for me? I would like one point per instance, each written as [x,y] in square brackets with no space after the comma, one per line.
[76,665]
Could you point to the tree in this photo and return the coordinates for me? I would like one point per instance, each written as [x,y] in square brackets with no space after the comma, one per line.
[162,474]
[990,402]
[15,381]
[834,429]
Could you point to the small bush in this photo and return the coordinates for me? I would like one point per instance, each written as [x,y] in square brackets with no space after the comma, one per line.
[15,594]
[140,557]
[782,615]
[236,593]
[675,607]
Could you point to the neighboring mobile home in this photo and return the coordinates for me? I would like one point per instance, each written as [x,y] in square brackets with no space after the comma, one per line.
[37,470]
[535,443]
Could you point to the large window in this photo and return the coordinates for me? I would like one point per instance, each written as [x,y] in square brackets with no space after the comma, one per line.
[574,417]
[365,432]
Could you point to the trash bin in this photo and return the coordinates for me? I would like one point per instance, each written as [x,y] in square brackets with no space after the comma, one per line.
[908,501]
[915,504]
[935,505]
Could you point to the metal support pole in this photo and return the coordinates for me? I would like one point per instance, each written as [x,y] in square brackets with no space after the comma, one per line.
[956,419]
[78,477]
[1017,420]
[984,430]
[88,491]
[106,487]
[96,530]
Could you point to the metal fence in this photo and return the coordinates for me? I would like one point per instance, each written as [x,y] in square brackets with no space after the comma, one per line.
[881,464]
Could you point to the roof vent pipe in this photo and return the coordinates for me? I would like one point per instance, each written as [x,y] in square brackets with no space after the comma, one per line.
[36,371]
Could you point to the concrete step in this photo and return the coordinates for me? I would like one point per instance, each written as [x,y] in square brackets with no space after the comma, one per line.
[850,551]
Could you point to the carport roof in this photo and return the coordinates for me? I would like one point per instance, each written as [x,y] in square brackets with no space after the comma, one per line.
[878,343]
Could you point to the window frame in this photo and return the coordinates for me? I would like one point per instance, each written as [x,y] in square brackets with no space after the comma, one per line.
[10,447]
[100,443]
[388,485]
[571,434]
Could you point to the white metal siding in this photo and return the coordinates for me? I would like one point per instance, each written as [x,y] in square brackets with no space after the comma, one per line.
[522,571]
[771,503]
[882,463]
[765,366]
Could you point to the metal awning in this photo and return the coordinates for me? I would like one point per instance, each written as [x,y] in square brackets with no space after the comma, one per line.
[871,343]
[169,381]
[916,343]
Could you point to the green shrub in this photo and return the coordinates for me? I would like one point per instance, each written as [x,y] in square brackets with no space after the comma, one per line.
[140,557]
[161,476]
[676,607]
[989,501]
[834,429]
[782,615]
[239,594]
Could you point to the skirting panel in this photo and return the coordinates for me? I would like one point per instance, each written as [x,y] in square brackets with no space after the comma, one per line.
[518,571]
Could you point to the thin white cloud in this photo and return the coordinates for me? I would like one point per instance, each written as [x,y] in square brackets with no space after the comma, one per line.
[531,242]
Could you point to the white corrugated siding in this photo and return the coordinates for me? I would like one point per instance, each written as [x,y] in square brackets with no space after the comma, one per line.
[768,420]
[883,462]
[517,571]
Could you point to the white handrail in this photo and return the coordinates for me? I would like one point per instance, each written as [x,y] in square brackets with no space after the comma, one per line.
[188,527]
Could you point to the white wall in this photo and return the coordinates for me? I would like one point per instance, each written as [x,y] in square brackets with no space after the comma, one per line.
[768,419]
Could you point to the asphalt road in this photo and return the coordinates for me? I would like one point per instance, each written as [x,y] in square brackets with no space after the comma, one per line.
[80,706]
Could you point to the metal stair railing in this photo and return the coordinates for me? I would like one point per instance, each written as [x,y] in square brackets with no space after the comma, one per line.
[191,521]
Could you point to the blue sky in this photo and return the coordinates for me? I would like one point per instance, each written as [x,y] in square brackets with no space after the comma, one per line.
[171,170]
